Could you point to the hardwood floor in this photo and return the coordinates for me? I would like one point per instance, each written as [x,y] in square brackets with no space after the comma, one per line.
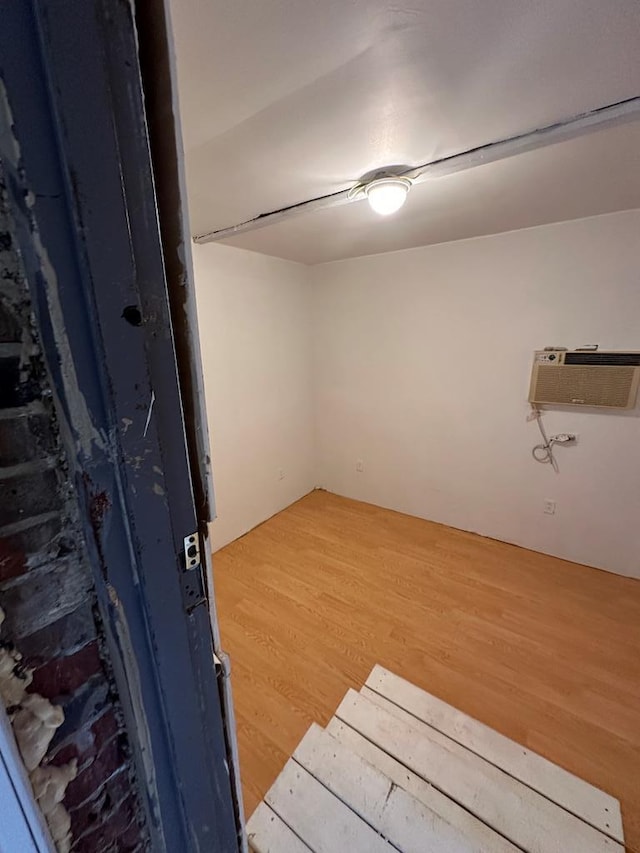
[545,651]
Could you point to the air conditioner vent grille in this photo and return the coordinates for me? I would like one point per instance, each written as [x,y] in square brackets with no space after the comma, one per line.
[586,386]
[617,358]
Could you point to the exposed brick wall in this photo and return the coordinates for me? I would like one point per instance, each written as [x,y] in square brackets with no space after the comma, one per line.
[46,587]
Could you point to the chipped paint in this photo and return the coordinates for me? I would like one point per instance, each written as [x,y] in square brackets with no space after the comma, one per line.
[136,462]
[78,410]
[137,701]
[79,415]
[10,145]
[148,421]
[99,505]
[157,489]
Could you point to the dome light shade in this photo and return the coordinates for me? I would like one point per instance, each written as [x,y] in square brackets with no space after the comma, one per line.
[387,195]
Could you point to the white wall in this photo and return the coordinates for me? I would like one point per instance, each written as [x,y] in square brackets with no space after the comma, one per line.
[254,314]
[422,368]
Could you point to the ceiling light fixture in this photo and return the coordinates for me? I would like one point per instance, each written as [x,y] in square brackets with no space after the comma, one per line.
[387,195]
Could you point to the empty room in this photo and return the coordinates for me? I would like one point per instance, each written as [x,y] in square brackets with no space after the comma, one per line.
[416,253]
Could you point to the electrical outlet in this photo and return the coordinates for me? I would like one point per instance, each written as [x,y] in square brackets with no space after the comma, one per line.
[359,466]
[281,474]
[550,507]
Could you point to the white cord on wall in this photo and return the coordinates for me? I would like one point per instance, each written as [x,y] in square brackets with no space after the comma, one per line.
[544,452]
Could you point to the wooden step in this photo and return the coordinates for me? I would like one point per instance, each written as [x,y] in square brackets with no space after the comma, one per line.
[399,770]
[268,833]
[446,808]
[410,824]
[517,812]
[323,821]
[592,805]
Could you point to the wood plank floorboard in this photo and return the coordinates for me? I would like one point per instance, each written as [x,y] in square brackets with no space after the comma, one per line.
[545,651]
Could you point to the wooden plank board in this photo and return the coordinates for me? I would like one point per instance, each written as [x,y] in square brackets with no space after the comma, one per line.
[318,817]
[585,801]
[267,833]
[410,825]
[517,812]
[419,789]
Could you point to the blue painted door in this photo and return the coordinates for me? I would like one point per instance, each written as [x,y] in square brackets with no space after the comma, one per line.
[102,232]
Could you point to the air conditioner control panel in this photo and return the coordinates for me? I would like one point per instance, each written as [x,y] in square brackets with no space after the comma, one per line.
[548,357]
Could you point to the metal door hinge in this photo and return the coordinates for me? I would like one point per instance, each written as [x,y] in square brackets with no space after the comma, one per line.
[223,664]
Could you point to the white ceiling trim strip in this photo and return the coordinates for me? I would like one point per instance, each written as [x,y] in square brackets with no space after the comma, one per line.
[562,131]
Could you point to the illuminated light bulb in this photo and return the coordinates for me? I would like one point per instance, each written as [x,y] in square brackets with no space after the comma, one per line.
[387,195]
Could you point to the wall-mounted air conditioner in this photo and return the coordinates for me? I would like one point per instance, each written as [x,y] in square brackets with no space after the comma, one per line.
[576,378]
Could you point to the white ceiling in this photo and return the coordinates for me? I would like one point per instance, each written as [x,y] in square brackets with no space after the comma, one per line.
[286,100]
